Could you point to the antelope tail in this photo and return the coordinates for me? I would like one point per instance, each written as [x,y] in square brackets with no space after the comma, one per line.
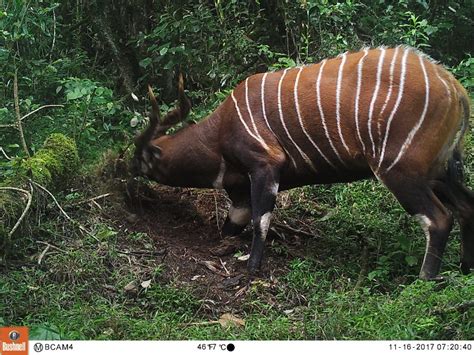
[455,168]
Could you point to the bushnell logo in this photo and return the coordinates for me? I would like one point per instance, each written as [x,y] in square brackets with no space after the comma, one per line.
[13,340]
[14,335]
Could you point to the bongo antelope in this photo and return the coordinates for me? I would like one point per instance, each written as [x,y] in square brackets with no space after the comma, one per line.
[389,113]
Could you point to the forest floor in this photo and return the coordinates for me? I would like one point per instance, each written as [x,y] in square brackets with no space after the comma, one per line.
[184,225]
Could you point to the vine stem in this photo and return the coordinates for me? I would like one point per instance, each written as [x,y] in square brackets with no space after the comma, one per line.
[18,116]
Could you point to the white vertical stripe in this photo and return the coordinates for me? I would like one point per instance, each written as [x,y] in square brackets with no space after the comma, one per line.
[321,112]
[415,129]
[356,105]
[338,100]
[249,110]
[280,110]
[300,119]
[461,132]
[262,96]
[374,97]
[264,145]
[395,107]
[448,92]
[390,89]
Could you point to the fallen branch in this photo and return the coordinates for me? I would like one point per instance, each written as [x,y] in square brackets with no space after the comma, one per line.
[54,199]
[27,207]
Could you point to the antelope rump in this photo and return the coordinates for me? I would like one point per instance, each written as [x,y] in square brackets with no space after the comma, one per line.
[389,113]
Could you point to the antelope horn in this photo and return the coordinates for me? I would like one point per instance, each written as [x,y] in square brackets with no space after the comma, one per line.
[184,106]
[148,134]
[155,113]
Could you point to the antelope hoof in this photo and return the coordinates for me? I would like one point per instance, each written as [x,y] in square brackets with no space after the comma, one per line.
[433,277]
[230,229]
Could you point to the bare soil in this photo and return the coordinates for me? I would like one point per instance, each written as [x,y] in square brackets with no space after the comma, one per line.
[184,227]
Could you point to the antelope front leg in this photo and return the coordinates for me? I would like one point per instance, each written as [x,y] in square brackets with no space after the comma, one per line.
[264,188]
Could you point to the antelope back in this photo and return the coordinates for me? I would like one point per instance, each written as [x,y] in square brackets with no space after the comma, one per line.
[374,110]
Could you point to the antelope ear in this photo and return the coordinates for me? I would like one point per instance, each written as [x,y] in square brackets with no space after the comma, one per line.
[156,151]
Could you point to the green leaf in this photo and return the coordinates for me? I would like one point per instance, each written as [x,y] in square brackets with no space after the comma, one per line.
[372,275]
[169,65]
[105,233]
[75,94]
[144,63]
[44,332]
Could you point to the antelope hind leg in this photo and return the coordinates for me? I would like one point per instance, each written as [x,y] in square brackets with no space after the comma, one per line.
[265,182]
[418,199]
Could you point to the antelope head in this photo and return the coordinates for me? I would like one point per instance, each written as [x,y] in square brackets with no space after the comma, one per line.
[151,145]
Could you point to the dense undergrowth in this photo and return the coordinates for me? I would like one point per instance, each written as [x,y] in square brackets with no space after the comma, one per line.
[62,272]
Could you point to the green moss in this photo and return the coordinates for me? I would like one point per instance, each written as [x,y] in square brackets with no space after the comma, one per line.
[54,163]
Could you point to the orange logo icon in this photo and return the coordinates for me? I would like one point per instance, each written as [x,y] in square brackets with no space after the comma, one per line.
[13,340]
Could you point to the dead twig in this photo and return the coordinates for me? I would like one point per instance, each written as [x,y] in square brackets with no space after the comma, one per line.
[93,199]
[54,199]
[5,154]
[223,266]
[140,252]
[293,230]
[52,246]
[43,253]
[81,227]
[212,266]
[15,125]
[38,109]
